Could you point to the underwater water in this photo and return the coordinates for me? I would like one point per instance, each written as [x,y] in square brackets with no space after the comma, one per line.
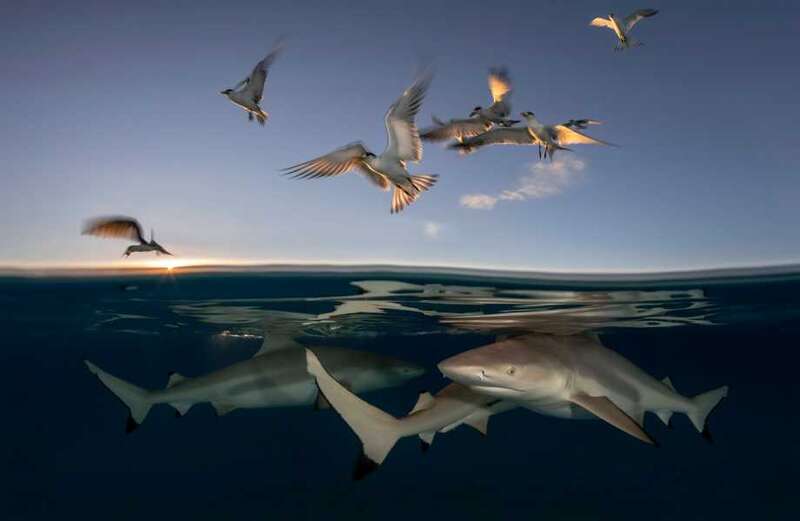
[66,453]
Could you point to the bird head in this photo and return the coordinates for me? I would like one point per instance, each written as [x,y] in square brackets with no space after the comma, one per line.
[369,154]
[226,92]
[475,111]
[526,114]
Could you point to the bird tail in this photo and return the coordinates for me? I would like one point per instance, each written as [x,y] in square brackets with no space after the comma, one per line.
[377,430]
[704,405]
[135,398]
[423,182]
[262,118]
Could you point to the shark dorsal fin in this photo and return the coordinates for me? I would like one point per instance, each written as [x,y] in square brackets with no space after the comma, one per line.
[174,378]
[280,330]
[607,411]
[425,401]
[666,381]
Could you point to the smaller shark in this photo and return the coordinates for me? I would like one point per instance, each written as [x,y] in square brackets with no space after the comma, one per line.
[275,376]
[544,370]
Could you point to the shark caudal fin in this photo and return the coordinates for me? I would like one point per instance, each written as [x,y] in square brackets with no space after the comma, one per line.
[135,398]
[704,405]
[377,430]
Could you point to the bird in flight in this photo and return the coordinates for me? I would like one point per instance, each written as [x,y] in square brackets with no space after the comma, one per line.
[480,119]
[622,28]
[248,92]
[121,227]
[548,138]
[389,168]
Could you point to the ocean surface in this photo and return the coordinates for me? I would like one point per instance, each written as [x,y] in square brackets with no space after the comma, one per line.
[66,454]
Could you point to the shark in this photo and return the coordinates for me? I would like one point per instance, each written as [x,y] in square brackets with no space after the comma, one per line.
[379,431]
[275,376]
[553,370]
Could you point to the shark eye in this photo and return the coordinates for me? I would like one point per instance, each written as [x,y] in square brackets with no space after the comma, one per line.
[511,370]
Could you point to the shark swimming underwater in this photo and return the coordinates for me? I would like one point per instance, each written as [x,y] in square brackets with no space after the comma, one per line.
[275,376]
[578,369]
[379,431]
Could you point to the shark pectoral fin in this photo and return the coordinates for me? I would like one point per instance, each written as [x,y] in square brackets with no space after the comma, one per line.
[478,422]
[321,402]
[425,401]
[174,378]
[223,408]
[605,409]
[426,440]
[181,407]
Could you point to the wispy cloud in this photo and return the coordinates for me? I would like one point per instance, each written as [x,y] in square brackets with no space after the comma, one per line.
[478,201]
[432,230]
[545,179]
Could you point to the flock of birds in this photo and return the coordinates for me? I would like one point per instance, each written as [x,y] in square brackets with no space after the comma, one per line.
[389,170]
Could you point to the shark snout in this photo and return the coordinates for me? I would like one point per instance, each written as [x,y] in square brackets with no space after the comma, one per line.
[457,370]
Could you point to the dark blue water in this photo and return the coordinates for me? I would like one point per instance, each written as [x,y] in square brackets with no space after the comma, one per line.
[65,452]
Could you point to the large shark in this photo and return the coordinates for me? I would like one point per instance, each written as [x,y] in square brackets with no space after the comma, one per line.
[577,369]
[379,431]
[275,376]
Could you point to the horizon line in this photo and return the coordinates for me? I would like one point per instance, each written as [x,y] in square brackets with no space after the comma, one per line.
[177,267]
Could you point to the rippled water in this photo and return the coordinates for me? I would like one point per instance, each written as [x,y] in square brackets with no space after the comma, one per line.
[66,451]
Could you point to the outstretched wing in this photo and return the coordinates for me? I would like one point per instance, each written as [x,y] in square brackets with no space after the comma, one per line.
[564,135]
[501,136]
[581,123]
[499,84]
[403,136]
[117,226]
[455,129]
[335,163]
[257,79]
[602,22]
[633,18]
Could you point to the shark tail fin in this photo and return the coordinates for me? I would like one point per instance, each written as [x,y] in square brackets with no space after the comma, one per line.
[704,405]
[135,398]
[377,430]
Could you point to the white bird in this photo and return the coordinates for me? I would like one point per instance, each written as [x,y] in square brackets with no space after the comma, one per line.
[480,120]
[549,137]
[248,92]
[623,28]
[500,109]
[122,227]
[389,168]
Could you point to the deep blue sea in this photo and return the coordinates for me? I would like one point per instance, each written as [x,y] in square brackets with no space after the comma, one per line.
[66,455]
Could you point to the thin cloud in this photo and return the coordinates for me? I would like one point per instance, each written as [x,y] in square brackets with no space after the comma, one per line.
[545,179]
[478,201]
[432,230]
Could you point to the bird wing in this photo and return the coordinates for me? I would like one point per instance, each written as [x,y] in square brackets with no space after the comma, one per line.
[602,22]
[120,227]
[257,79]
[501,136]
[564,135]
[403,136]
[581,123]
[499,84]
[335,163]
[374,177]
[633,18]
[455,129]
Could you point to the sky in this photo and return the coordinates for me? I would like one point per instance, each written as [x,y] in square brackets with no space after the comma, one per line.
[114,108]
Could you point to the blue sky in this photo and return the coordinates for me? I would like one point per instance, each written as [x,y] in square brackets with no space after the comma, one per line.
[114,107]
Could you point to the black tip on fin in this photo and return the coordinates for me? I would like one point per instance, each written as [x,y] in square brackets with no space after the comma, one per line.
[363,467]
[170,373]
[424,445]
[707,435]
[178,413]
[130,425]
